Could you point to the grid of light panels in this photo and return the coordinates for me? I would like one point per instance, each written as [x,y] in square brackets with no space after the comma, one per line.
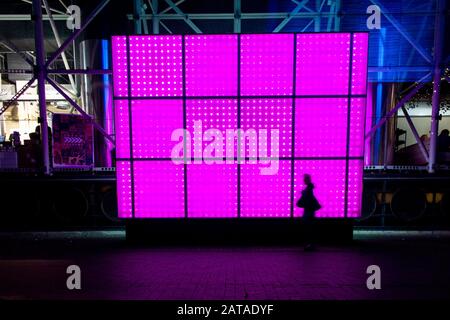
[310,87]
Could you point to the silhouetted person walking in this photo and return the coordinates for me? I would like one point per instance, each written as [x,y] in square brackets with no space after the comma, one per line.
[310,205]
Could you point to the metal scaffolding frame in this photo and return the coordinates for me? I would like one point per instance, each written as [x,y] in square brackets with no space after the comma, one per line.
[436,68]
[146,10]
[141,15]
[42,70]
[303,11]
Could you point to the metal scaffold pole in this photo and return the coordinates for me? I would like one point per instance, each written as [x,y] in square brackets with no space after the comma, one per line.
[40,74]
[438,45]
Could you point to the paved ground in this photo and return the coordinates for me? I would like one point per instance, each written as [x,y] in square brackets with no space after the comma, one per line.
[33,266]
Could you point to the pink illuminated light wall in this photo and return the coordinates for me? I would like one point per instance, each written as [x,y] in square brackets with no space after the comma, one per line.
[310,87]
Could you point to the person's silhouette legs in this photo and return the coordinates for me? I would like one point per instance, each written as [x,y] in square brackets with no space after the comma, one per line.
[309,231]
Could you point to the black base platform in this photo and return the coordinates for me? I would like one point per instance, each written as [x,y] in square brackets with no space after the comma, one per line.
[235,231]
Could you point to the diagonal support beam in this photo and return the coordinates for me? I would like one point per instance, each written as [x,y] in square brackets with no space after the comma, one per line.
[81,111]
[423,79]
[53,10]
[74,35]
[422,147]
[11,46]
[9,103]
[170,8]
[58,42]
[165,27]
[286,20]
[394,110]
[64,5]
[397,25]
[307,26]
[185,17]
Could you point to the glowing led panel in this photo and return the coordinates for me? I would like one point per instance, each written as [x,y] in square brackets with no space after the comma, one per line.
[286,97]
[267,196]
[212,191]
[153,122]
[323,63]
[211,65]
[328,177]
[368,123]
[359,63]
[321,127]
[156,66]
[158,189]
[124,191]
[355,188]
[267,64]
[120,66]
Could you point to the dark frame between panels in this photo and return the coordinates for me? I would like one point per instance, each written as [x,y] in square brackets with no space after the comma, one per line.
[349,96]
[349,104]
[130,126]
